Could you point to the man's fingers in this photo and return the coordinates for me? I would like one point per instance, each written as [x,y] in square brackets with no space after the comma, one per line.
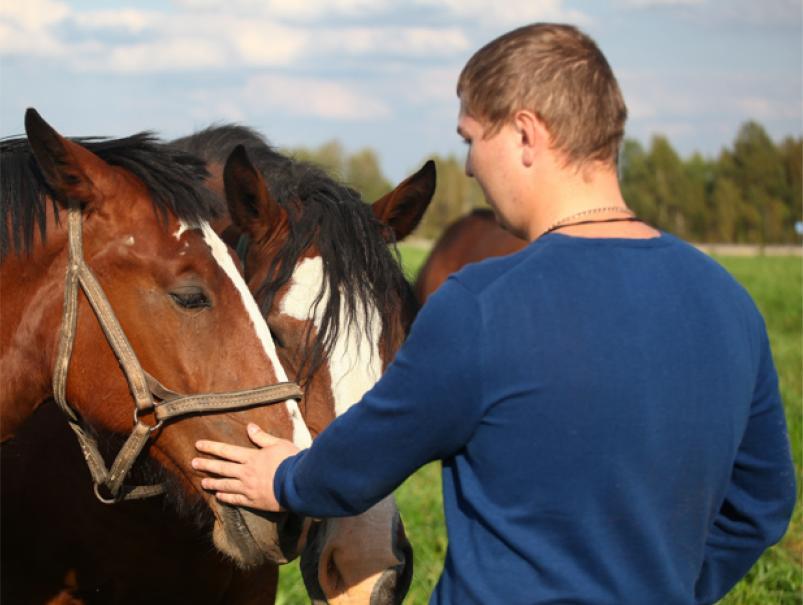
[218,467]
[233,486]
[260,437]
[235,499]
[234,453]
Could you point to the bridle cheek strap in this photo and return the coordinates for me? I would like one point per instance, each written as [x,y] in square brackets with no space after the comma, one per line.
[143,386]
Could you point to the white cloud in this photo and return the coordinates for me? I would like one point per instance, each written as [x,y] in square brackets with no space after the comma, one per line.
[291,9]
[173,54]
[207,107]
[26,27]
[33,15]
[433,85]
[510,12]
[407,41]
[651,95]
[169,42]
[131,20]
[652,3]
[763,108]
[277,95]
[312,97]
[201,38]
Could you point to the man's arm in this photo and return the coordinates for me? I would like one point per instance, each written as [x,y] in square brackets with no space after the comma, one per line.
[759,501]
[425,407]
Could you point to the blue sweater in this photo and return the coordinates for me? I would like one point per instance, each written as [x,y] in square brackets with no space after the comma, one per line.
[609,421]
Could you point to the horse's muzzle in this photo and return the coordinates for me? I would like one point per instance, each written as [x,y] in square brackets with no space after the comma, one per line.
[253,537]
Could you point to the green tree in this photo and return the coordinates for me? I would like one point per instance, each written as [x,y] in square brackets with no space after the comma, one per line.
[330,156]
[791,152]
[456,194]
[360,170]
[637,181]
[759,172]
[700,175]
[364,174]
[672,188]
[727,206]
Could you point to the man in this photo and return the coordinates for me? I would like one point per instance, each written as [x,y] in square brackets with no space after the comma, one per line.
[604,402]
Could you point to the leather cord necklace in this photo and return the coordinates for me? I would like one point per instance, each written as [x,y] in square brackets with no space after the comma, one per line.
[563,222]
[591,222]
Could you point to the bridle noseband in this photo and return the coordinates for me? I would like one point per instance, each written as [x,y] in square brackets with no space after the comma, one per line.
[143,386]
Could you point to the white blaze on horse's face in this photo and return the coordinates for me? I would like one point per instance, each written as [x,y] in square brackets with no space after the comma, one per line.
[355,363]
[220,252]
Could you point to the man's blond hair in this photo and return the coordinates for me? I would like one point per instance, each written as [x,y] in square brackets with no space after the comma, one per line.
[558,73]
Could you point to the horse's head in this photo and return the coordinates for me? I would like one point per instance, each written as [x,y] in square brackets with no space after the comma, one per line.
[318,261]
[339,306]
[191,323]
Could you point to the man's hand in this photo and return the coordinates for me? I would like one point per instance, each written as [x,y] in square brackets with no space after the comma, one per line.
[245,475]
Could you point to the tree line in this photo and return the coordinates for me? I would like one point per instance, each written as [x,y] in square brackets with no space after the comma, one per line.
[750,193]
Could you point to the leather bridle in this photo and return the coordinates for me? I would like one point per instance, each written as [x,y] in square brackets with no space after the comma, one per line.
[143,386]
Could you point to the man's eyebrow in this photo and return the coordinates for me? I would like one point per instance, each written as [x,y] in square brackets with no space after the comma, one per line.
[460,132]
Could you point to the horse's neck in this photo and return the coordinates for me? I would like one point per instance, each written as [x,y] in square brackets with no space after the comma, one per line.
[31,298]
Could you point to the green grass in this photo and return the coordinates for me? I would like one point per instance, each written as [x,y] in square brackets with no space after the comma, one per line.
[412,259]
[776,579]
[775,284]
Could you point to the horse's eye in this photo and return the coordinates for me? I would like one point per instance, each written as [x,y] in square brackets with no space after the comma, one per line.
[190,298]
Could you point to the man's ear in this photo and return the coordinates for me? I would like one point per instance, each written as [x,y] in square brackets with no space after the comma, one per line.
[533,135]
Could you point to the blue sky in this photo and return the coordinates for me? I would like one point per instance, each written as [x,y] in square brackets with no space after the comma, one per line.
[381,73]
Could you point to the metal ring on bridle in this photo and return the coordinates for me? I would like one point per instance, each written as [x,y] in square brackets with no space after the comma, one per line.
[96,487]
[153,428]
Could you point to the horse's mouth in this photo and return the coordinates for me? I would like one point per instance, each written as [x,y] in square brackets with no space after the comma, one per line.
[252,537]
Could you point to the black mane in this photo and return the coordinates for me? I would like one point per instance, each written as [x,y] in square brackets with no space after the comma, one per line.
[360,269]
[174,179]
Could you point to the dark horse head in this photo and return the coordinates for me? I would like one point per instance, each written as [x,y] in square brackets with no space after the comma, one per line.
[323,266]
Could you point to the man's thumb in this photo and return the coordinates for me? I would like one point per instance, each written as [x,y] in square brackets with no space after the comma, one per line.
[260,437]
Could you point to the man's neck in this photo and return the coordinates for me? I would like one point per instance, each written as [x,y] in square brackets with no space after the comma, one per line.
[562,192]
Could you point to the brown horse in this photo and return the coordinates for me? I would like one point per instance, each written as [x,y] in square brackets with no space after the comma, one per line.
[469,239]
[339,306]
[185,316]
[116,543]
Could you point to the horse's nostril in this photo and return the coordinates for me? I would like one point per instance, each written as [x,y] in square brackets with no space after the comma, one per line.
[393,585]
[335,582]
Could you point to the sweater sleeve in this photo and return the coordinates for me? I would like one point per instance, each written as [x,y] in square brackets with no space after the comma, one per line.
[759,500]
[425,407]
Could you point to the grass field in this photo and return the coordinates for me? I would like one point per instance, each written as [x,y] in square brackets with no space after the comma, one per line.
[777,578]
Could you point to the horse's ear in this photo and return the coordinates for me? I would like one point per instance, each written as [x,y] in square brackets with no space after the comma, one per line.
[402,208]
[72,171]
[251,206]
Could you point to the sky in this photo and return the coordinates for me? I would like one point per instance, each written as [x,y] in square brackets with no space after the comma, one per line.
[382,73]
